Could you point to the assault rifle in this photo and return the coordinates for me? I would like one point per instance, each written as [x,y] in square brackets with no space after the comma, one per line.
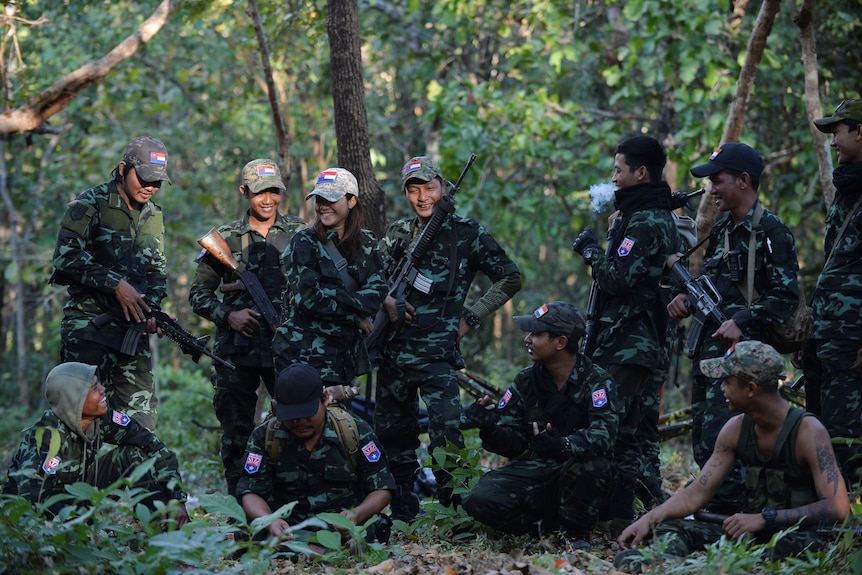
[823,528]
[588,345]
[401,267]
[189,344]
[216,245]
[706,300]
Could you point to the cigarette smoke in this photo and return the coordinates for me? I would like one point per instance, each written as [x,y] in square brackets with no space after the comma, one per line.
[602,195]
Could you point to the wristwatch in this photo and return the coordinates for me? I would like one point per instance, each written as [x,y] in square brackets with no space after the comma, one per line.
[471,318]
[588,255]
[770,515]
[566,452]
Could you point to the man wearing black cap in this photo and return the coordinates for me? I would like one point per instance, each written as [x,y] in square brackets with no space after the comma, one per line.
[734,170]
[832,360]
[242,335]
[557,424]
[109,253]
[302,459]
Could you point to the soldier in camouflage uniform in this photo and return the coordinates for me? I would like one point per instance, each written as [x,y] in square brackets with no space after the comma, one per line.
[557,425]
[242,336]
[832,360]
[109,252]
[305,462]
[797,481]
[65,446]
[631,330]
[335,283]
[734,170]
[423,355]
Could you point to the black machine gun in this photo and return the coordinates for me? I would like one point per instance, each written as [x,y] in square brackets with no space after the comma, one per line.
[189,344]
[401,267]
[706,301]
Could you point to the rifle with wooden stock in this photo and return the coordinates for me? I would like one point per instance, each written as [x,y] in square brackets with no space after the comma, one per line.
[216,245]
[401,267]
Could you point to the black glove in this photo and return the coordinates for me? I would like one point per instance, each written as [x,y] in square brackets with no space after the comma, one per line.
[480,417]
[585,244]
[551,445]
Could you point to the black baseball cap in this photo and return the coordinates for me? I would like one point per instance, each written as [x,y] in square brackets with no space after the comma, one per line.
[297,392]
[731,156]
[558,317]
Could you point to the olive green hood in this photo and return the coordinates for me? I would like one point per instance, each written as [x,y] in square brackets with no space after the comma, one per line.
[66,389]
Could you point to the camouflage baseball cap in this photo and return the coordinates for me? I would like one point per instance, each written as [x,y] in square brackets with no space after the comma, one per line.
[260,175]
[846,110]
[333,184]
[149,157]
[297,392]
[558,317]
[420,168]
[748,360]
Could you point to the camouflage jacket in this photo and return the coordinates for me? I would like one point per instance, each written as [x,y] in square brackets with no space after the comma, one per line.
[38,470]
[102,241]
[838,295]
[775,272]
[632,320]
[584,410]
[321,480]
[262,257]
[460,250]
[322,326]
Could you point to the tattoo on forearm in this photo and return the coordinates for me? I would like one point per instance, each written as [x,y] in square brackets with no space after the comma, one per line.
[826,463]
[704,477]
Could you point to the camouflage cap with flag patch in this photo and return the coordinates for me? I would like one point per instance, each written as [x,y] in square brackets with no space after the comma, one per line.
[333,184]
[557,317]
[749,361]
[260,175]
[420,168]
[149,157]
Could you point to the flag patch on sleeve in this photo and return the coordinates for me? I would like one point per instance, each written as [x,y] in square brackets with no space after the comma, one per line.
[121,419]
[625,247]
[600,398]
[51,465]
[504,401]
[252,462]
[371,452]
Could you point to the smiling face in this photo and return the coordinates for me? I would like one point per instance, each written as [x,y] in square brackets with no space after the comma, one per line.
[542,344]
[423,196]
[264,206]
[334,214]
[735,392]
[847,142]
[624,176]
[96,404]
[136,192]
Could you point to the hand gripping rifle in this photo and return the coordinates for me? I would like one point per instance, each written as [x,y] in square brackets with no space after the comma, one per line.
[588,345]
[706,299]
[216,245]
[403,272]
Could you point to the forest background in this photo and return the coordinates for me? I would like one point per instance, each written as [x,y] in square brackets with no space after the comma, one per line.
[542,91]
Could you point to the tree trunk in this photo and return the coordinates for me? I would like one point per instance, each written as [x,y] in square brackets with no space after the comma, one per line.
[351,120]
[706,211]
[812,99]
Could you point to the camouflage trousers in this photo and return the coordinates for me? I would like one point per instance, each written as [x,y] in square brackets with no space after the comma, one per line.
[833,392]
[684,537]
[235,401]
[396,415]
[539,496]
[128,379]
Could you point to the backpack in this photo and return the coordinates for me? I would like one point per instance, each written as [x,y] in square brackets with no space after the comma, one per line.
[345,426]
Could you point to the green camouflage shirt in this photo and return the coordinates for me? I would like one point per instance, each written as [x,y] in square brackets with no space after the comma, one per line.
[38,471]
[262,257]
[321,480]
[584,410]
[460,250]
[837,301]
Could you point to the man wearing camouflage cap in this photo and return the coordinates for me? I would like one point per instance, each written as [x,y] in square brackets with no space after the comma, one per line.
[832,360]
[557,424]
[109,253]
[423,355]
[791,474]
[242,336]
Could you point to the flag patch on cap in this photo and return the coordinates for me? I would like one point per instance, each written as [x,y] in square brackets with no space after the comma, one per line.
[265,170]
[625,247]
[51,465]
[541,311]
[371,452]
[121,419]
[159,158]
[327,176]
[252,462]
[412,167]
[715,154]
[600,398]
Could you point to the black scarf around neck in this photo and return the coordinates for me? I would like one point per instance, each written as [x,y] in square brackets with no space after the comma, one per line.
[848,179]
[646,196]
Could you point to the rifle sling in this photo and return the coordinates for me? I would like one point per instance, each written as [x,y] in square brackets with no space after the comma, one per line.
[340,265]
